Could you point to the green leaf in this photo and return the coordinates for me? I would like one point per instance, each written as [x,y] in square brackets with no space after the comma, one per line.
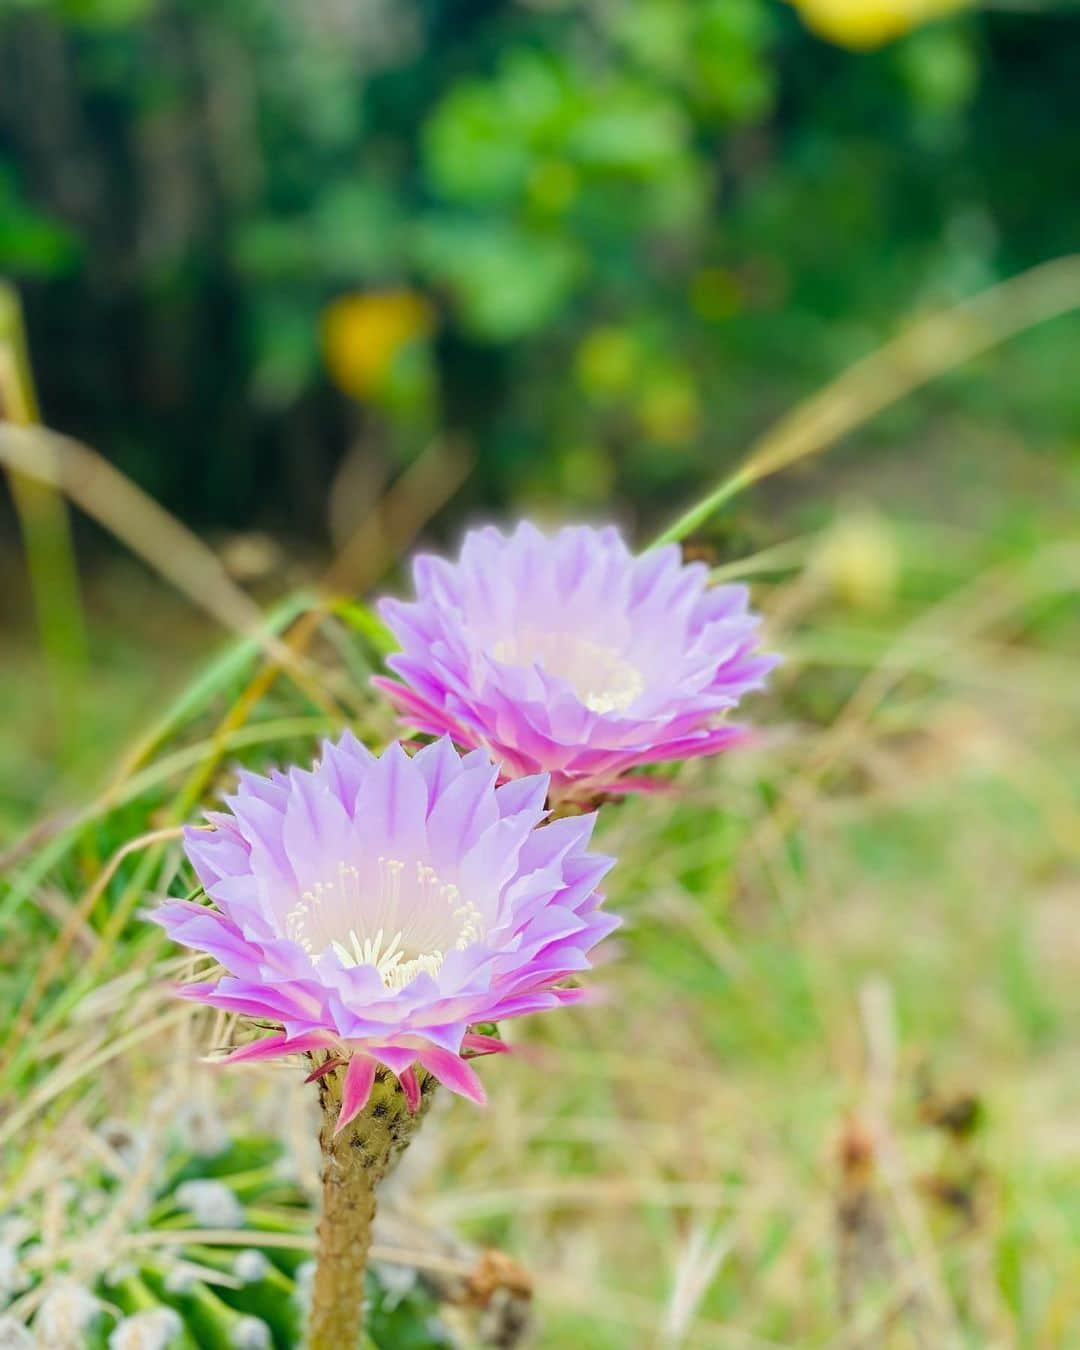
[507,281]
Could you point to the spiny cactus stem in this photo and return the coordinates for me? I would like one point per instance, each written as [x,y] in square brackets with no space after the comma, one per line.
[354,1162]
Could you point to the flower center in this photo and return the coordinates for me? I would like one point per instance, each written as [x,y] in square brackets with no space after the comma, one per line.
[600,676]
[404,922]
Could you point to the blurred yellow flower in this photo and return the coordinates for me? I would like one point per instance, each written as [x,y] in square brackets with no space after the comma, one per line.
[586,473]
[858,560]
[862,24]
[362,333]
[607,361]
[669,410]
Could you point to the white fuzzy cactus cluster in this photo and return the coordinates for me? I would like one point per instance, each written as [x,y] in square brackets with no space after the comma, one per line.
[152,1329]
[122,1294]
[13,1276]
[14,1335]
[210,1203]
[249,1333]
[66,1315]
[118,1295]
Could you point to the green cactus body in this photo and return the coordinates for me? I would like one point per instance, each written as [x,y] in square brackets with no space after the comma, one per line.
[204,1295]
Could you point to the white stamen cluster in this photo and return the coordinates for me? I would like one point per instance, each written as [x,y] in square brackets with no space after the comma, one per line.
[403,930]
[600,676]
[387,957]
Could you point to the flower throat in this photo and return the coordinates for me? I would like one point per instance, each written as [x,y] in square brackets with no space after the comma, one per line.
[403,924]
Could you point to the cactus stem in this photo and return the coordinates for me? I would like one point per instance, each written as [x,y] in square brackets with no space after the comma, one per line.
[355,1160]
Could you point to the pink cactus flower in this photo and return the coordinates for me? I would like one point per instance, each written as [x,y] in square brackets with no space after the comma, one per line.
[568,655]
[378,908]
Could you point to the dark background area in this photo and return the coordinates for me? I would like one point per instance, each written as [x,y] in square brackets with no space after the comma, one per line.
[619,239]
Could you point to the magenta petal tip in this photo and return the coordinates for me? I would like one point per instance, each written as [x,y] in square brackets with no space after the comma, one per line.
[411,1088]
[355,1090]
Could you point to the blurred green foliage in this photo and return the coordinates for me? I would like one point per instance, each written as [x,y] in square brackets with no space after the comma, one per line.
[645,227]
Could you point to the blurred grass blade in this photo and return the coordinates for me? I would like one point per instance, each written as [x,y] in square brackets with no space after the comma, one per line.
[929,348]
[152,534]
[363,620]
[190,703]
[217,676]
[387,531]
[46,533]
[115,502]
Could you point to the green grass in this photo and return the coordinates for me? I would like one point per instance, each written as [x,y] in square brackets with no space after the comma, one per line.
[831,1096]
